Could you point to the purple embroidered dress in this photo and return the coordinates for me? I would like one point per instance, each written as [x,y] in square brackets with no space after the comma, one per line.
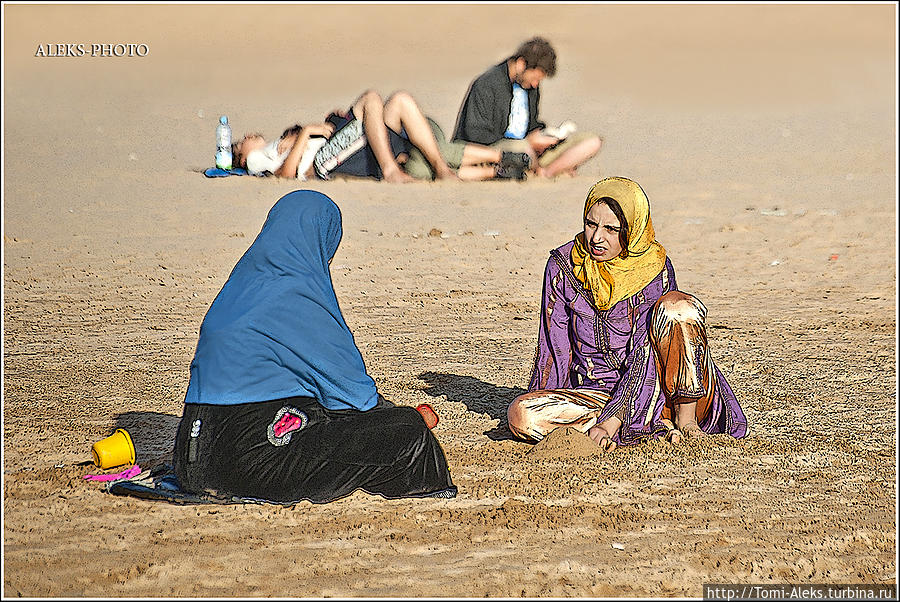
[609,351]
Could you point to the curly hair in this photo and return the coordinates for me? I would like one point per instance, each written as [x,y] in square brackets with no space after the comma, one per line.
[538,54]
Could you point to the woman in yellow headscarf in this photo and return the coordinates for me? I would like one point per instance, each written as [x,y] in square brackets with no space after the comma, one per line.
[622,354]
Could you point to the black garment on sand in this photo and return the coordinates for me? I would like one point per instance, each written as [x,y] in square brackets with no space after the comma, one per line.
[295,449]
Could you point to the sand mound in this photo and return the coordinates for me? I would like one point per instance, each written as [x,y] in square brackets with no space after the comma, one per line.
[566,443]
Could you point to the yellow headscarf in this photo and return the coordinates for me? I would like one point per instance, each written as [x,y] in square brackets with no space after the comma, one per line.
[618,278]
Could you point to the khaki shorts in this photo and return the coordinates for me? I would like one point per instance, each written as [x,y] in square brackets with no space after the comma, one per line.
[418,166]
[551,154]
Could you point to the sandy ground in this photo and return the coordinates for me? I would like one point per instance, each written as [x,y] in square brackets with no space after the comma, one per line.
[765,138]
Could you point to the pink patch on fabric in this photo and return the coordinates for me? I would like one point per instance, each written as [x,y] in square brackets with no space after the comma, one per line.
[289,422]
[286,421]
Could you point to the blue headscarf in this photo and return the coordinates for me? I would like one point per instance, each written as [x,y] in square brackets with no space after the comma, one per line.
[275,329]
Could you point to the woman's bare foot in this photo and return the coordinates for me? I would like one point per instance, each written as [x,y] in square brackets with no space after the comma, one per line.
[673,435]
[686,420]
[692,430]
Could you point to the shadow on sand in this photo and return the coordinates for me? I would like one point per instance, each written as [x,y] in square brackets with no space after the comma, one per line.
[477,395]
[153,435]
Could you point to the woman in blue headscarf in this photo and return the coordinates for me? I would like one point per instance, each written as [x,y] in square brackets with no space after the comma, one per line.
[279,406]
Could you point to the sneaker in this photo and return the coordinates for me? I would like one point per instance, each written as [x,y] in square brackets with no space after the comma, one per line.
[506,172]
[511,159]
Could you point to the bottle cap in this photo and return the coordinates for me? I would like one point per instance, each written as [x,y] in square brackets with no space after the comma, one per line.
[223,119]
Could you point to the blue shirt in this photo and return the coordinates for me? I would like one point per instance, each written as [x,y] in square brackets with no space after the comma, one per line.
[518,114]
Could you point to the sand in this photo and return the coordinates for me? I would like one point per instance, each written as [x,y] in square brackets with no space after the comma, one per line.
[765,137]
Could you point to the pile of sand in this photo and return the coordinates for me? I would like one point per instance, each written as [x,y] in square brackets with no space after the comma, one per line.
[565,443]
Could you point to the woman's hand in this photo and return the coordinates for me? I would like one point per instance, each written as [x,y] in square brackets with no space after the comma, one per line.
[603,433]
[320,129]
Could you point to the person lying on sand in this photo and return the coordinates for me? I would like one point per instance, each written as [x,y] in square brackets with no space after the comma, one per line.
[392,140]
[279,406]
[622,354]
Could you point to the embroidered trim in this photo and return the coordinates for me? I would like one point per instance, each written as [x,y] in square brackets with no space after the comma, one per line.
[601,340]
[654,400]
[287,421]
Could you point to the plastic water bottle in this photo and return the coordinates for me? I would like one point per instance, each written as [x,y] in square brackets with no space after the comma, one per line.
[223,143]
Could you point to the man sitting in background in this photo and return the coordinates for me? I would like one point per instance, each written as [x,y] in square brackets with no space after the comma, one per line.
[501,110]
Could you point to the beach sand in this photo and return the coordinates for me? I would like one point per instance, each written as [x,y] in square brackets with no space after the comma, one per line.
[765,138]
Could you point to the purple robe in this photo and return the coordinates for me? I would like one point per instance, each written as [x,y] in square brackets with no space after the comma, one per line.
[580,347]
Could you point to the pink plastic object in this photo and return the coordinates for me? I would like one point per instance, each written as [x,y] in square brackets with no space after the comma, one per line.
[125,474]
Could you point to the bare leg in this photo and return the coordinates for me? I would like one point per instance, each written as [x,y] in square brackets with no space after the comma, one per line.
[572,158]
[402,112]
[369,109]
[479,162]
[474,154]
[475,173]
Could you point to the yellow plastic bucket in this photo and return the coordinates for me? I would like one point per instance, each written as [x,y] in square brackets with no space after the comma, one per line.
[115,450]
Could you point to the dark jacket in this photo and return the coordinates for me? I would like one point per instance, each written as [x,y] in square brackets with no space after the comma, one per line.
[484,116]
